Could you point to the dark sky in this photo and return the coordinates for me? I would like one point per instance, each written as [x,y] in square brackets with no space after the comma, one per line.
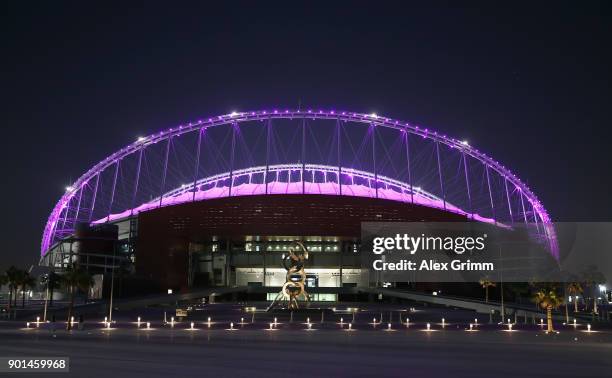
[529,83]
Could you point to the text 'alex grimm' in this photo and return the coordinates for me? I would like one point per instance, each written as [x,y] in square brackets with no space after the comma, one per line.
[404,243]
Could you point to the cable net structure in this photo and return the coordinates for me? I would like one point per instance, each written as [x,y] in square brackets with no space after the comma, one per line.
[298,152]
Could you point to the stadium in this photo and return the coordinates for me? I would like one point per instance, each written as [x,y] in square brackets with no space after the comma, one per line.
[219,202]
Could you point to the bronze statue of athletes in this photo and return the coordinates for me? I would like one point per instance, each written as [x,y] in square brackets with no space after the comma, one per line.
[294,287]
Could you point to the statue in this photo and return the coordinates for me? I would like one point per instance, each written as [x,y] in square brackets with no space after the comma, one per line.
[293,288]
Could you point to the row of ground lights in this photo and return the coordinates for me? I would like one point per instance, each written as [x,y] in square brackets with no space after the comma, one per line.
[273,325]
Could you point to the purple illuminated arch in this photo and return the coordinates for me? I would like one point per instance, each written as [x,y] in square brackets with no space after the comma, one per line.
[214,187]
[522,204]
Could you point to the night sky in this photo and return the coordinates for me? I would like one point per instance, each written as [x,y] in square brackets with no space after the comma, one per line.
[526,82]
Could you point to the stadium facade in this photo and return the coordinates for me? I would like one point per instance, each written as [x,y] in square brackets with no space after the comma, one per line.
[219,202]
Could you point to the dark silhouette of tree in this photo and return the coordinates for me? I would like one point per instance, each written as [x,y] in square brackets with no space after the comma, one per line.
[75,279]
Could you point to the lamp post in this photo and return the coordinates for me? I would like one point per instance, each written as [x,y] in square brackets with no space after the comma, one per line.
[47,279]
[501,289]
[110,307]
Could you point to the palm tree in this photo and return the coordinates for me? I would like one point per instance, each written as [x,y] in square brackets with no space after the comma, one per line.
[19,278]
[12,275]
[74,279]
[486,283]
[53,280]
[26,282]
[574,289]
[3,280]
[592,277]
[50,282]
[548,298]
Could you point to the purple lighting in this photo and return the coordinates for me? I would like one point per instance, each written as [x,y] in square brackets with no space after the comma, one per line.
[390,189]
[432,185]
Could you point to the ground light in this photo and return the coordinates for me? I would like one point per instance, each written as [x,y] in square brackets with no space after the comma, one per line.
[271,327]
[428,329]
[471,329]
[137,323]
[341,323]
[209,323]
[37,321]
[374,324]
[389,328]
[588,330]
[509,328]
[407,322]
[172,322]
[350,327]
[231,328]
